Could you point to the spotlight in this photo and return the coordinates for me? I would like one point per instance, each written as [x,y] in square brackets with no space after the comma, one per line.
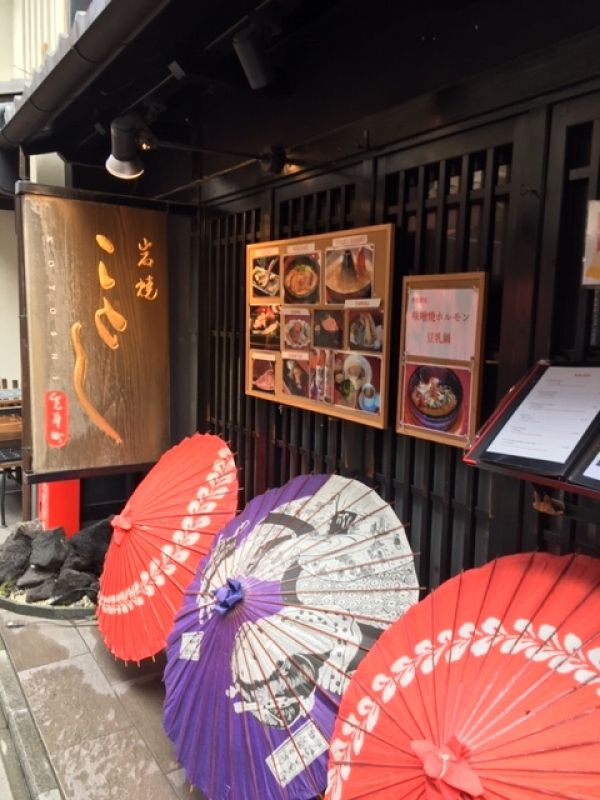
[124,161]
[129,133]
[273,160]
[250,50]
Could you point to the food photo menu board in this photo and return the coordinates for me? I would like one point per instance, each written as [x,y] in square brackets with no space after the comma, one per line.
[440,356]
[317,317]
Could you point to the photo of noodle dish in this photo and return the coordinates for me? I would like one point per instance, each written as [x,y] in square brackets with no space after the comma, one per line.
[434,396]
[348,273]
[301,278]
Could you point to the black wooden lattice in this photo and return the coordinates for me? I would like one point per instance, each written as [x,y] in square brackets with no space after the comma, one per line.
[464,202]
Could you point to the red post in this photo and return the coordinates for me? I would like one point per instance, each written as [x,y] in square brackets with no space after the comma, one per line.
[58,505]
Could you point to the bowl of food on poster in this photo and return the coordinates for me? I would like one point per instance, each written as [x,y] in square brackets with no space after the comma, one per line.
[297,330]
[436,397]
[348,273]
[301,278]
[357,381]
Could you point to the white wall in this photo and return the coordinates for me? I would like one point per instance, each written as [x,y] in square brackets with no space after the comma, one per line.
[37,24]
[6,41]
[10,355]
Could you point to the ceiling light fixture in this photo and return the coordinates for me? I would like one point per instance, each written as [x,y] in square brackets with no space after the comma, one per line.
[129,134]
[253,57]
[124,161]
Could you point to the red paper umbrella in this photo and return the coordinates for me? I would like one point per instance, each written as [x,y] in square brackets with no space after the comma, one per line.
[166,527]
[489,688]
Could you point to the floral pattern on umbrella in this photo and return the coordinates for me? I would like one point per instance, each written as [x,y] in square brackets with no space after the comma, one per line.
[490,688]
[165,528]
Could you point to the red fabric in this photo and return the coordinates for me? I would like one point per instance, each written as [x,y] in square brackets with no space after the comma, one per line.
[165,529]
[497,674]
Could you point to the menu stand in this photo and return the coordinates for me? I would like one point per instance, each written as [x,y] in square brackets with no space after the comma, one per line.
[546,431]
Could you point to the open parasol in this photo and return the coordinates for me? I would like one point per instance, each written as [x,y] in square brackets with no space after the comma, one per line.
[166,527]
[293,593]
[489,688]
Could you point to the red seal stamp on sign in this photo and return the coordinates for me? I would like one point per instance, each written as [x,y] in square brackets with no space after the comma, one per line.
[56,418]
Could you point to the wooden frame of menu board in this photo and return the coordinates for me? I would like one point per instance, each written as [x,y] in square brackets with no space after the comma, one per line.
[441,350]
[318,322]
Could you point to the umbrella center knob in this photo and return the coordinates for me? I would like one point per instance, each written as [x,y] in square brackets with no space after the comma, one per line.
[228,596]
[120,521]
[447,765]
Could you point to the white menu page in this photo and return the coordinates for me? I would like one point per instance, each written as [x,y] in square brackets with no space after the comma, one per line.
[553,417]
[593,471]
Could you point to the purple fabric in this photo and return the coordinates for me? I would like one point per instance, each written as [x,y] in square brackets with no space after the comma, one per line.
[228,596]
[222,752]
[258,654]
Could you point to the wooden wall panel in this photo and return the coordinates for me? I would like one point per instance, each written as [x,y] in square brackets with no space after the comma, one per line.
[472,200]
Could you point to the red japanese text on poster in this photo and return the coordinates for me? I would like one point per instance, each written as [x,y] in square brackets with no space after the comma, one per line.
[442,323]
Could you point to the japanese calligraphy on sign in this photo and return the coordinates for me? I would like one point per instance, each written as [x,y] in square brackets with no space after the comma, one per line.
[97,332]
[440,356]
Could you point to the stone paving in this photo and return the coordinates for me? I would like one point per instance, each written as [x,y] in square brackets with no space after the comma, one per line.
[83,725]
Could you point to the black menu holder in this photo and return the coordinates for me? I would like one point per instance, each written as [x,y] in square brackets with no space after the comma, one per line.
[526,451]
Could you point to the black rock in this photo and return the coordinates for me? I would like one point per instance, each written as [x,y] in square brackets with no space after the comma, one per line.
[72,585]
[75,561]
[33,577]
[14,557]
[73,597]
[29,529]
[90,546]
[42,592]
[49,549]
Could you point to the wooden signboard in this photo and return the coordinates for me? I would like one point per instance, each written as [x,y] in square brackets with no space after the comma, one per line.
[440,356]
[318,320]
[95,297]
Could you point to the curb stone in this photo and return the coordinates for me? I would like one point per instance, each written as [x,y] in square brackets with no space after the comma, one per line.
[38,773]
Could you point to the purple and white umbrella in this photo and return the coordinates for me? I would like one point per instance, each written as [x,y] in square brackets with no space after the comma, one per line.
[291,596]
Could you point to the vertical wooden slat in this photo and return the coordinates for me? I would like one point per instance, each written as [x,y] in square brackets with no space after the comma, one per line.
[462,245]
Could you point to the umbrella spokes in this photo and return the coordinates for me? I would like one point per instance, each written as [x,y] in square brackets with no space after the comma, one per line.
[489,687]
[160,536]
[322,566]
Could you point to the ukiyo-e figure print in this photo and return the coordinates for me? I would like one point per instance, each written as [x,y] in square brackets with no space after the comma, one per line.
[293,593]
[311,550]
